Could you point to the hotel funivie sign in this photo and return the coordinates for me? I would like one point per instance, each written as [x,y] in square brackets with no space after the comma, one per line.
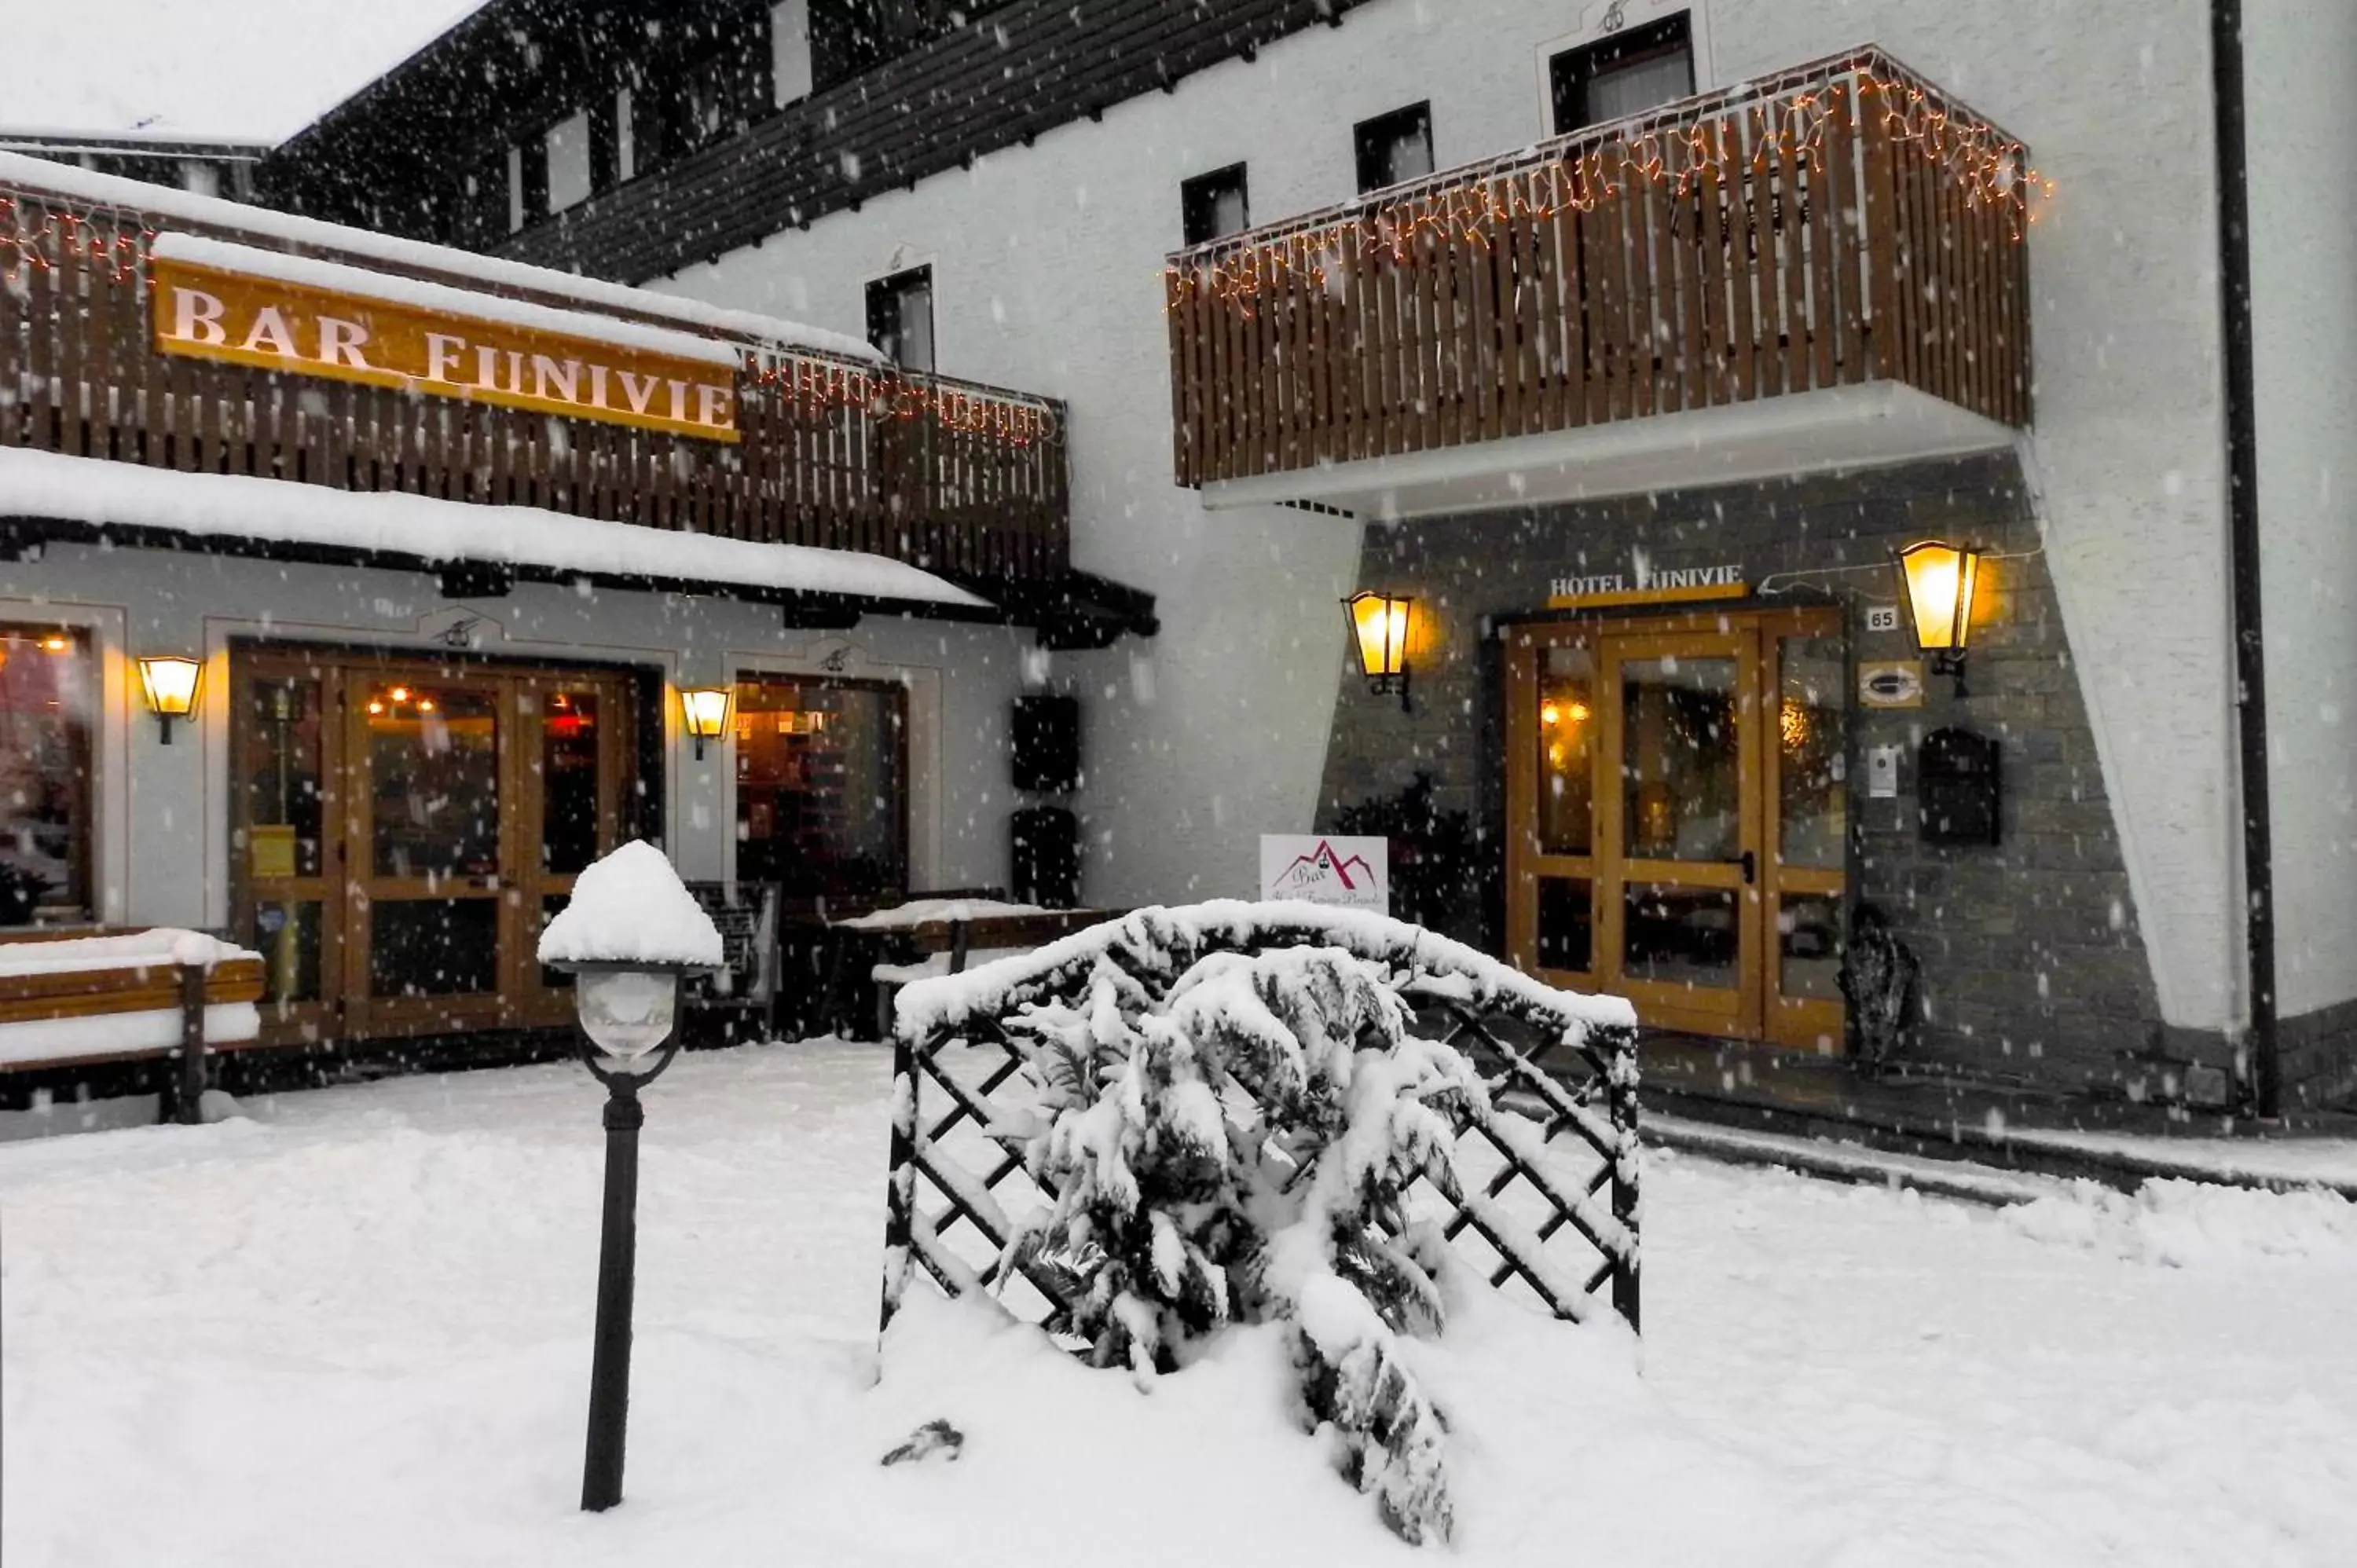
[206,312]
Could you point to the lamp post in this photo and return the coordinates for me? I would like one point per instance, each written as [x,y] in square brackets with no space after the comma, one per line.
[630,932]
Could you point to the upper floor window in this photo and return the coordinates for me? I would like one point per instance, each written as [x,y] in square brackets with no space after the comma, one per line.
[569,176]
[1215,204]
[626,137]
[789,50]
[900,317]
[1625,74]
[517,203]
[1394,147]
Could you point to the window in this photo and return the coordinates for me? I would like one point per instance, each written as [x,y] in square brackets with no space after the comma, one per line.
[1394,147]
[48,696]
[789,50]
[515,189]
[626,137]
[1626,74]
[900,317]
[822,786]
[568,162]
[1215,204]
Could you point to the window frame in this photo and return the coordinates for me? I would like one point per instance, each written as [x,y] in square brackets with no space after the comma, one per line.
[901,703]
[1569,72]
[1374,138]
[888,328]
[81,740]
[1199,203]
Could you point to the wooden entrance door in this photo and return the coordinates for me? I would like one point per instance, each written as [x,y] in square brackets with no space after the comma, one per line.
[1675,798]
[405,827]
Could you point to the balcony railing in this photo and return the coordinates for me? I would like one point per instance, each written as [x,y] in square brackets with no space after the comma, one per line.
[835,452]
[1841,223]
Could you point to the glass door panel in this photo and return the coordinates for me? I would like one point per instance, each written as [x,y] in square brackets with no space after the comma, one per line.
[1807,875]
[1678,816]
[432,817]
[1681,910]
[283,849]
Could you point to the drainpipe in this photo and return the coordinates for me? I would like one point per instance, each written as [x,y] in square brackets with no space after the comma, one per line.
[2262,1075]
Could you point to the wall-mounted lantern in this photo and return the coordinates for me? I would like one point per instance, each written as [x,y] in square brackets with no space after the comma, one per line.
[705,709]
[168,681]
[1940,580]
[1379,623]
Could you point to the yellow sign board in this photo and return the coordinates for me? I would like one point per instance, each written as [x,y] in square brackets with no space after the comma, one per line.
[299,328]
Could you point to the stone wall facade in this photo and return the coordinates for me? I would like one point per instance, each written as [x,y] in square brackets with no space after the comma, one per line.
[2033,967]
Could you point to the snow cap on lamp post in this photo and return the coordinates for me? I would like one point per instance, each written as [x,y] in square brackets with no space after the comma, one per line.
[631,930]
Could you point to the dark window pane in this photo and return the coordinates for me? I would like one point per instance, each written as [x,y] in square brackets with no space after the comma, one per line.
[1215,204]
[1809,946]
[1812,750]
[281,776]
[1625,74]
[286,935]
[1680,761]
[433,759]
[434,947]
[822,787]
[1394,147]
[1567,758]
[1680,935]
[48,688]
[1566,938]
[900,317]
[568,773]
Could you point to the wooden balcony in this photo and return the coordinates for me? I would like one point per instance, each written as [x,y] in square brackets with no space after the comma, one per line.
[1826,268]
[830,451]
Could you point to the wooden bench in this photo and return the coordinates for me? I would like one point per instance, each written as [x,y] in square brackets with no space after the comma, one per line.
[101,996]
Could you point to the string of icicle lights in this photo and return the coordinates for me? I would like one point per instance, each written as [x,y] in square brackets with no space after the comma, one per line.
[1990,167]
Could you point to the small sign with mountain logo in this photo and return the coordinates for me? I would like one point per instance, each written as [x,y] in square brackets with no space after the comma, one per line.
[1354,872]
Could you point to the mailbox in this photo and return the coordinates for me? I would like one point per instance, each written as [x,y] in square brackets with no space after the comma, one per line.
[1960,787]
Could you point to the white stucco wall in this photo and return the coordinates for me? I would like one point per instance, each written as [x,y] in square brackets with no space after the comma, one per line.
[2302,135]
[1047,269]
[163,817]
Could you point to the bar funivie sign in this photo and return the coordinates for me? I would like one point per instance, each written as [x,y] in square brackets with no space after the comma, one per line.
[429,343]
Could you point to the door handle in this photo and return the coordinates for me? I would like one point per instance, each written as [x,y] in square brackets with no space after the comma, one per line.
[1751,868]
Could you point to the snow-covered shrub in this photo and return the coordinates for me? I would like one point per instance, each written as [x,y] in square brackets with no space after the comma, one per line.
[1240,1150]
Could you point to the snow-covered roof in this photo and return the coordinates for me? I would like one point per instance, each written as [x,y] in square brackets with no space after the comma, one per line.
[96,491]
[245,70]
[631,907]
[364,246]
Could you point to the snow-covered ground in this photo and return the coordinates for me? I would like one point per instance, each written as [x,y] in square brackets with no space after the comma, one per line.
[353,1329]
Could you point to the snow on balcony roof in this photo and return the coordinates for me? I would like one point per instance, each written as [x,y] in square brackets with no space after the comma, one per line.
[364,245]
[238,70]
[97,492]
[440,299]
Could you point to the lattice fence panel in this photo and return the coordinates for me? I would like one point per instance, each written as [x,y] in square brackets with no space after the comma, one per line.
[1543,1198]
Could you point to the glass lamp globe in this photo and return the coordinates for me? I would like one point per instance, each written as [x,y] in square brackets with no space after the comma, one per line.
[627,1013]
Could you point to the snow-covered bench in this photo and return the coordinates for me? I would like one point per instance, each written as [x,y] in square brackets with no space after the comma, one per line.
[126,996]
